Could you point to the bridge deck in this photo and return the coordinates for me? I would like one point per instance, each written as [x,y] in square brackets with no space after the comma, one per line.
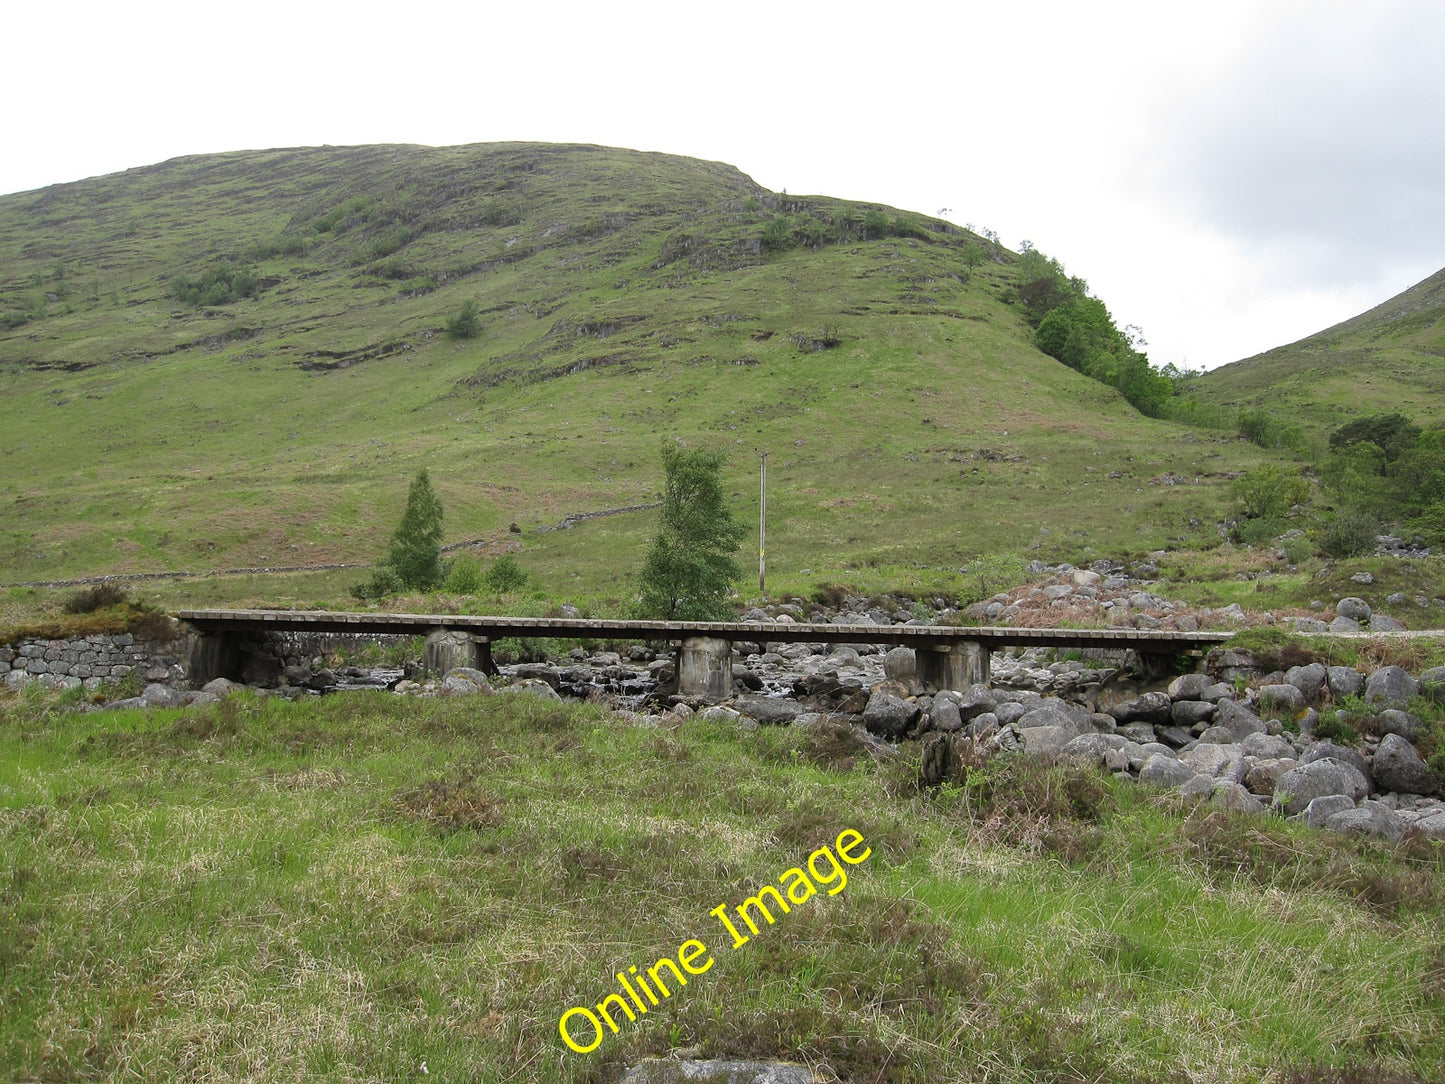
[1154,642]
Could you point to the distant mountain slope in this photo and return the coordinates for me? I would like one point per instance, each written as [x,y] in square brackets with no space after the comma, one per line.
[1391,358]
[240,359]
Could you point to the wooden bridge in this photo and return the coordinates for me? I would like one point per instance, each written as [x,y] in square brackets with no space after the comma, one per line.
[949,657]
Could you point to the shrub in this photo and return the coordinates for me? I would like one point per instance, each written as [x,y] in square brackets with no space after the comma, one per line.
[464,576]
[1297,550]
[1351,533]
[1268,492]
[465,324]
[506,575]
[100,597]
[383,582]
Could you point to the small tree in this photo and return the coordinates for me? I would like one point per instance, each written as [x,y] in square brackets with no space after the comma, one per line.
[465,324]
[689,567]
[1268,492]
[415,552]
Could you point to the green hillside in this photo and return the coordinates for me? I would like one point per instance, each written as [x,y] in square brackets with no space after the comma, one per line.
[1389,359]
[241,359]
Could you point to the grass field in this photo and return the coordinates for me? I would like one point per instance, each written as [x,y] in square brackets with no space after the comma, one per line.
[350,888]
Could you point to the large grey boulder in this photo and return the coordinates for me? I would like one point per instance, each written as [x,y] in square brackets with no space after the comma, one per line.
[977,700]
[1432,684]
[901,665]
[1186,713]
[1356,609]
[1279,701]
[465,680]
[1265,772]
[1165,771]
[1398,767]
[887,715]
[1323,808]
[1238,720]
[1395,721]
[1328,750]
[1149,708]
[1045,741]
[944,715]
[1309,680]
[1370,819]
[1385,623]
[1303,784]
[770,711]
[1390,687]
[532,687]
[1217,761]
[1053,712]
[1090,748]
[1344,681]
[159,696]
[1189,687]
[1234,798]
[1266,745]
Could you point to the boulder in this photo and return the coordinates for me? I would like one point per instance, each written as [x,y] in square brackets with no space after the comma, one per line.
[1356,609]
[1264,774]
[1235,799]
[1390,687]
[1138,732]
[1309,680]
[1303,784]
[1010,712]
[1398,767]
[887,715]
[465,680]
[977,700]
[1165,771]
[1045,741]
[220,687]
[901,665]
[771,711]
[1371,819]
[1059,713]
[159,696]
[1149,708]
[1239,720]
[1395,721]
[1279,701]
[1383,623]
[1432,684]
[1217,761]
[1328,750]
[1344,681]
[1090,748]
[1189,687]
[1266,745]
[1325,807]
[532,687]
[1344,626]
[944,715]
[1186,713]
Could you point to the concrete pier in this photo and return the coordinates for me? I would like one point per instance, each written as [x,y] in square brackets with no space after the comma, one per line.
[705,668]
[447,649]
[953,666]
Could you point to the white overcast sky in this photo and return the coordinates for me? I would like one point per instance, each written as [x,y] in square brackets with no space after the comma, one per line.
[1228,176]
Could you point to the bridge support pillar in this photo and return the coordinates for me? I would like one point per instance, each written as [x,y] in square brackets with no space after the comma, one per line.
[705,668]
[211,655]
[953,666]
[447,649]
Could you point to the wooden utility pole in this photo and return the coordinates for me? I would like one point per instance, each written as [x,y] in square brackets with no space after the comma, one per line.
[763,530]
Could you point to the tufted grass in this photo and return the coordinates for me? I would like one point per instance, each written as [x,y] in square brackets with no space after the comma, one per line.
[345,888]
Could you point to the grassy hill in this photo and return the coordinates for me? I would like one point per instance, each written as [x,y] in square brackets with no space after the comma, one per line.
[1391,358]
[241,359]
